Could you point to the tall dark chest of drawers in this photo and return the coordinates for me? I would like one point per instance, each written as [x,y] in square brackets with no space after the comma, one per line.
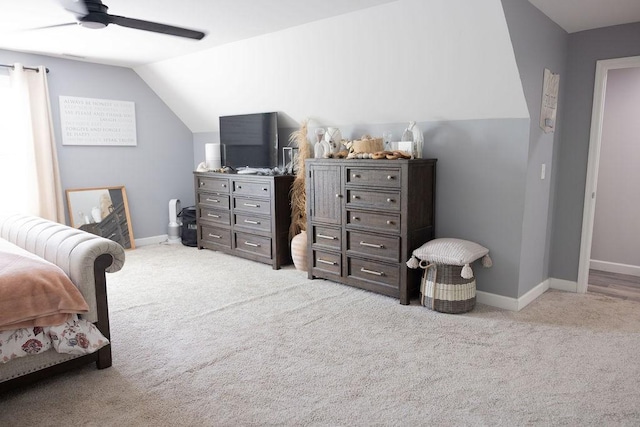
[244,215]
[365,218]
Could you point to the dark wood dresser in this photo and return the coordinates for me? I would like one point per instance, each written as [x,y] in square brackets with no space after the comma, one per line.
[244,215]
[365,218]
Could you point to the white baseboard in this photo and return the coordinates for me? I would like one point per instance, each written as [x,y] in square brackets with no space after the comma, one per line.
[153,240]
[533,294]
[513,304]
[563,285]
[498,301]
[614,267]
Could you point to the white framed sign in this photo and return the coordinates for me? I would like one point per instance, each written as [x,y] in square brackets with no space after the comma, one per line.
[549,101]
[90,121]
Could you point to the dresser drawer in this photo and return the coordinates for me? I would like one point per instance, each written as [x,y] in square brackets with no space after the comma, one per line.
[389,177]
[214,215]
[327,262]
[252,222]
[376,245]
[251,243]
[214,184]
[327,237]
[373,199]
[371,271]
[214,200]
[217,236]
[251,205]
[372,220]
[249,188]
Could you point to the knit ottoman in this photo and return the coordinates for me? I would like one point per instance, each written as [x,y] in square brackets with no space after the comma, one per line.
[448,284]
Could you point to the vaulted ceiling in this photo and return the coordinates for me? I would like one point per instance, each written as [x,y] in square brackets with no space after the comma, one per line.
[224,21]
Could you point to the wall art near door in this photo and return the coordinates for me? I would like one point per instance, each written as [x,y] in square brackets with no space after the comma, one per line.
[89,121]
[103,211]
[549,101]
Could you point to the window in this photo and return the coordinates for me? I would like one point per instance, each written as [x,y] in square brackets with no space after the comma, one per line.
[14,152]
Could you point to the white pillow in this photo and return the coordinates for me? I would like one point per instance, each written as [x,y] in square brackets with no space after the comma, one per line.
[452,252]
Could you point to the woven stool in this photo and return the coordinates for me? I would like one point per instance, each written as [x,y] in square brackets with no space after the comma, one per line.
[448,284]
[444,289]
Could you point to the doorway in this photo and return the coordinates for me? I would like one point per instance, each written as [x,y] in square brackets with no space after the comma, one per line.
[595,143]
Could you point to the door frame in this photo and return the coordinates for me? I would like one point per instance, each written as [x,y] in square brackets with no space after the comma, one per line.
[595,143]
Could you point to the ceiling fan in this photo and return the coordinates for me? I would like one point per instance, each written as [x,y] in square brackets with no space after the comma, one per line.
[93,14]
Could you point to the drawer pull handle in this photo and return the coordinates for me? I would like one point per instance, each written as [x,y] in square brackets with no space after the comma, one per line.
[355,175]
[215,236]
[213,200]
[354,197]
[324,236]
[252,205]
[390,177]
[391,223]
[324,261]
[213,215]
[265,189]
[338,195]
[224,185]
[371,245]
[391,201]
[202,184]
[355,218]
[253,245]
[239,187]
[248,221]
[375,273]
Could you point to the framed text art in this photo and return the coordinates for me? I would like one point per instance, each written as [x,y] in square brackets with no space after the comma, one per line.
[89,121]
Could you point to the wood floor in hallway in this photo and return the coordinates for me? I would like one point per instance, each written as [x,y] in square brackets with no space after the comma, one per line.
[615,285]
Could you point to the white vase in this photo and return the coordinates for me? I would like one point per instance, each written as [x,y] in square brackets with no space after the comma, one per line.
[299,250]
[334,137]
[318,150]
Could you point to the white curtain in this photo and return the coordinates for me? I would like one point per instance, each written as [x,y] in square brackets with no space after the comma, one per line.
[29,174]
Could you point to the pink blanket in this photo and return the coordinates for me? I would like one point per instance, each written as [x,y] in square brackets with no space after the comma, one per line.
[34,292]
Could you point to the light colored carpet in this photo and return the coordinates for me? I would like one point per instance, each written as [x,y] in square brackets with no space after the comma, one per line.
[205,339]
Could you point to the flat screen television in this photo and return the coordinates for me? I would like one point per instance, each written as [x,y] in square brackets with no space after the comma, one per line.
[250,140]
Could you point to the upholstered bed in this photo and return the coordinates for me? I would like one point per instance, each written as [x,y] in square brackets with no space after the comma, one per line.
[63,331]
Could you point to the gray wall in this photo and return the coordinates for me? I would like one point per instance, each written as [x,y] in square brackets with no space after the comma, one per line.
[585,48]
[538,43]
[480,185]
[617,216]
[158,169]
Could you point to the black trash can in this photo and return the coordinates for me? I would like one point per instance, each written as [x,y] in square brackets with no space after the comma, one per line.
[189,232]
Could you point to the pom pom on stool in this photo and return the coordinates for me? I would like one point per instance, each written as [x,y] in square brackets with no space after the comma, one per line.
[486,261]
[413,262]
[467,272]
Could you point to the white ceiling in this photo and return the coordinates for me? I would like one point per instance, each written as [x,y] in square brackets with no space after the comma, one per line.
[580,15]
[224,21]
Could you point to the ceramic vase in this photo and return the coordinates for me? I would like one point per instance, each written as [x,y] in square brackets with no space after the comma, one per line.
[299,250]
[334,138]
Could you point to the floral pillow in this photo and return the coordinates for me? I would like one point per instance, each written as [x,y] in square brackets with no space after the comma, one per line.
[76,336]
[23,342]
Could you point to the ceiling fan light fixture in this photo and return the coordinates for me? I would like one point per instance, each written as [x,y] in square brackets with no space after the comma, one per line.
[93,25]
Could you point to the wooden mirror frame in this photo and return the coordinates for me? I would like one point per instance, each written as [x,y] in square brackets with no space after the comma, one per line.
[103,211]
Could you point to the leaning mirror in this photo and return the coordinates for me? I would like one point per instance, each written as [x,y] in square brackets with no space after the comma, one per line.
[103,211]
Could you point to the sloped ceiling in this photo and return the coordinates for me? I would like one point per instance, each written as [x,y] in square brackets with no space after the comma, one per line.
[405,60]
[580,15]
[224,21]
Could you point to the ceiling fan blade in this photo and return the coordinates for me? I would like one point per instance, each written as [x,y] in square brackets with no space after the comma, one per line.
[155,27]
[49,26]
[77,7]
